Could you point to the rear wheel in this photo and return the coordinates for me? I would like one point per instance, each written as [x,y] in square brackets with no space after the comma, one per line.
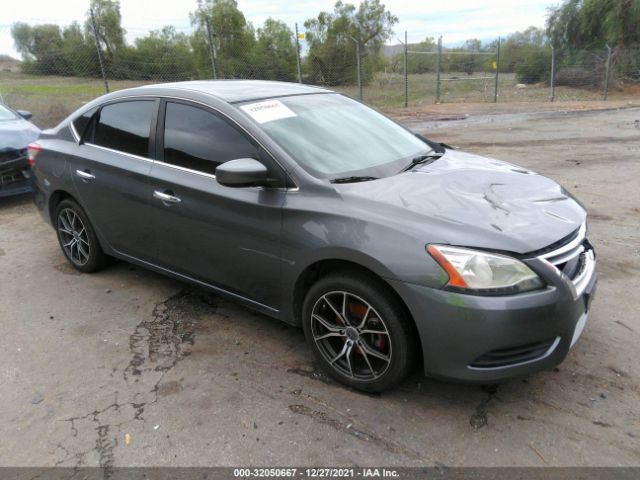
[77,237]
[358,331]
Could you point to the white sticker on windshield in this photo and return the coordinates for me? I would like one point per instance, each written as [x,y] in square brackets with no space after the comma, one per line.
[263,112]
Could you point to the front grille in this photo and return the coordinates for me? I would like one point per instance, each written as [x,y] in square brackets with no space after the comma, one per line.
[13,154]
[9,178]
[507,357]
[575,259]
[570,257]
[572,262]
[14,167]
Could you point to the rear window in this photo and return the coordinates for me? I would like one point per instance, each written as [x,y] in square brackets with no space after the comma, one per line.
[125,126]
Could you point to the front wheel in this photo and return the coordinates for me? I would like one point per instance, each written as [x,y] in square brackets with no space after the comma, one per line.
[358,331]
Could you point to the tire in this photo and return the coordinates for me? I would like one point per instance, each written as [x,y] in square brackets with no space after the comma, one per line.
[77,238]
[376,322]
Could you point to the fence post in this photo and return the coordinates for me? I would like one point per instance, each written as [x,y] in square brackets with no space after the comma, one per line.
[406,72]
[495,89]
[552,80]
[100,61]
[359,71]
[607,73]
[212,49]
[438,66]
[298,56]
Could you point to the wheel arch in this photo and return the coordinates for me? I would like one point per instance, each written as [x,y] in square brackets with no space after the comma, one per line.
[320,268]
[58,196]
[54,200]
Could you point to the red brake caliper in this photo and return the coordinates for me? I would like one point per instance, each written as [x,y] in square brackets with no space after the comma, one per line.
[359,311]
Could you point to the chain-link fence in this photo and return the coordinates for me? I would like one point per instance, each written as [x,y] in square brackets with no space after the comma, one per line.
[60,79]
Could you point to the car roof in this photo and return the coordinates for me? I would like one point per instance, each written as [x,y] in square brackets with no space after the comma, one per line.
[235,91]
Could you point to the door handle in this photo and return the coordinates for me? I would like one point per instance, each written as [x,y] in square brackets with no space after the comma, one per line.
[85,175]
[166,197]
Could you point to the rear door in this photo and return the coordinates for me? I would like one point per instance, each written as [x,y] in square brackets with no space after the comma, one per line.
[227,237]
[110,173]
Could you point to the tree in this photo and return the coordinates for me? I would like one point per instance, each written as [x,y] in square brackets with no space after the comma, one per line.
[578,28]
[80,54]
[233,36]
[36,41]
[108,25]
[417,63]
[592,24]
[41,47]
[520,46]
[472,62]
[332,38]
[275,51]
[163,54]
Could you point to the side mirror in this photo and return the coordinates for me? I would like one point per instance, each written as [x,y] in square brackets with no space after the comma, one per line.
[25,114]
[244,172]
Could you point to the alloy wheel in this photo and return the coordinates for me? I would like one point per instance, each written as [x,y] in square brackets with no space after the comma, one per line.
[74,237]
[351,336]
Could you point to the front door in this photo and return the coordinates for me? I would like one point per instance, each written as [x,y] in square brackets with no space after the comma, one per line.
[226,237]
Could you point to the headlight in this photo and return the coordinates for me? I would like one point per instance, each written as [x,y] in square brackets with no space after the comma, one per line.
[483,272]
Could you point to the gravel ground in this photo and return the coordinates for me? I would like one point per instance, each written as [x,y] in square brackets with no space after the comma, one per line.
[126,367]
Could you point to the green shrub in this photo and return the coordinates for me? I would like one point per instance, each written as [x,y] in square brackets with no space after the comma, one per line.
[534,67]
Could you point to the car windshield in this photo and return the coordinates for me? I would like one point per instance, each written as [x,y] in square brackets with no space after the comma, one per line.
[6,114]
[333,136]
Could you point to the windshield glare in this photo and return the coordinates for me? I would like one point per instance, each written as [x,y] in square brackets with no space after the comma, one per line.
[6,114]
[332,136]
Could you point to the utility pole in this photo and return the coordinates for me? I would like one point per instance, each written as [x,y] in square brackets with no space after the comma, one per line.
[298,56]
[99,50]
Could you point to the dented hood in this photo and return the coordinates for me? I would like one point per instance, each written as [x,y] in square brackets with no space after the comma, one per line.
[17,134]
[468,200]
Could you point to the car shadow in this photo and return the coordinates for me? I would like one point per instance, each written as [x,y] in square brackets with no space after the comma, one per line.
[13,201]
[201,321]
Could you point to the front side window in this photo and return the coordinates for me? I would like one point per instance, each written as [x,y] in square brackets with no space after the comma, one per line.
[199,140]
[125,126]
[330,135]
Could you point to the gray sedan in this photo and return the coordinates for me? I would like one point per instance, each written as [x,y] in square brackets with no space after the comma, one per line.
[387,248]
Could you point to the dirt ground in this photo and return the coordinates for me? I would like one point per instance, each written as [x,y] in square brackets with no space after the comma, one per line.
[126,367]
[461,110]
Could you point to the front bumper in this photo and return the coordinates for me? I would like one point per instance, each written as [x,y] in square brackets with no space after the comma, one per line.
[14,174]
[489,339]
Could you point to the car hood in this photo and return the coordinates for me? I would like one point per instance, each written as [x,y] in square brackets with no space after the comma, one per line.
[17,134]
[469,200]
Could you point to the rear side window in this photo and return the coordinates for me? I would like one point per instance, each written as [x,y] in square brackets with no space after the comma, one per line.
[200,140]
[125,126]
[81,123]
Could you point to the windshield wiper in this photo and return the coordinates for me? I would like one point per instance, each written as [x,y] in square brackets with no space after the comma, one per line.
[422,159]
[352,179]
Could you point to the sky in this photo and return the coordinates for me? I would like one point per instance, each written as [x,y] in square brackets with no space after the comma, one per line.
[455,20]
